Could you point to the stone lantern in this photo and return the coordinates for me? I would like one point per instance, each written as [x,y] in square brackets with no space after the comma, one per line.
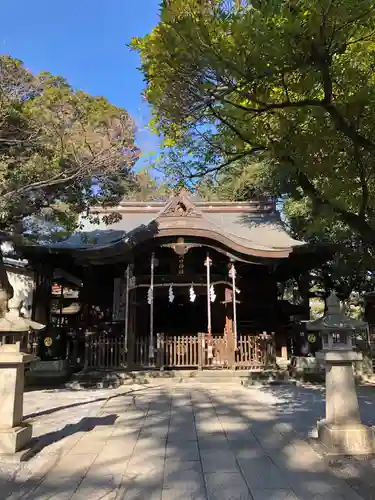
[14,434]
[341,432]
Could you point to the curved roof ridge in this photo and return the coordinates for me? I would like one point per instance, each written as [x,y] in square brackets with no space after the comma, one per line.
[250,232]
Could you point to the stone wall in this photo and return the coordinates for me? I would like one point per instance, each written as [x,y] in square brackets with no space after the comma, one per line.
[307,368]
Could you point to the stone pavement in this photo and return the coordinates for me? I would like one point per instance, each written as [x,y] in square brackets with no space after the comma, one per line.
[190,442]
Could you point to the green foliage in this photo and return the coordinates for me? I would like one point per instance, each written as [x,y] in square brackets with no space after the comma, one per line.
[291,82]
[62,152]
[349,272]
[148,188]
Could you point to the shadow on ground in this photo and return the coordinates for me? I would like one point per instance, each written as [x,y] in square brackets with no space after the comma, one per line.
[55,409]
[203,443]
[87,424]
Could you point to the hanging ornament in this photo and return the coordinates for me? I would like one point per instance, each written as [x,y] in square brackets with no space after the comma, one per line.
[170,294]
[232,272]
[192,294]
[212,293]
[149,296]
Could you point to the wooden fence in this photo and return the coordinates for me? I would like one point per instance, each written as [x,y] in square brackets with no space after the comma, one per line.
[141,353]
[104,351]
[181,352]
[253,351]
[186,351]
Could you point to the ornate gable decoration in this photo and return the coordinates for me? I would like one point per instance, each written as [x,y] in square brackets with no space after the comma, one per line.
[180,206]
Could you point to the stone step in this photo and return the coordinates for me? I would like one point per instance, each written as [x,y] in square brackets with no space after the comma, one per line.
[114,379]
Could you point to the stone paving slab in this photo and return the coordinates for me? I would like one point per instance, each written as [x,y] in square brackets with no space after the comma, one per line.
[195,442]
[227,486]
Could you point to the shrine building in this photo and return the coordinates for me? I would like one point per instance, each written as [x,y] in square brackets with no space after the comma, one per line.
[176,284]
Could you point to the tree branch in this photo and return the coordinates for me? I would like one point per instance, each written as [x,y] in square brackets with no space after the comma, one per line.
[353,220]
[235,158]
[348,130]
[229,125]
[277,105]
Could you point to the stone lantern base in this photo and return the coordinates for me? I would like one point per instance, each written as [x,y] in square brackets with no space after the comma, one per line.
[341,432]
[14,440]
[347,439]
[15,436]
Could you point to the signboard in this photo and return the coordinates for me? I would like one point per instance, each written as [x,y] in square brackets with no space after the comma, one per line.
[67,292]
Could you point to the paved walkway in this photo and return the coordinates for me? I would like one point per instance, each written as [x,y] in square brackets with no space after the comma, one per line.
[190,442]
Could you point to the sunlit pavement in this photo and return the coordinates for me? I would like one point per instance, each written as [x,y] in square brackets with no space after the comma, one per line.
[184,441]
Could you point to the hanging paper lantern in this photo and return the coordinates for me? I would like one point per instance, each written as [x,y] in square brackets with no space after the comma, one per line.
[170,294]
[149,295]
[212,294]
[192,294]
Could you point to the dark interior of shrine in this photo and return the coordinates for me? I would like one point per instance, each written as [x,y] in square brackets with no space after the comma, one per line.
[182,316]
[258,309]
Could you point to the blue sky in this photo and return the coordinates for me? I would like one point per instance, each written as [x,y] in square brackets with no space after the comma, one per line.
[85,41]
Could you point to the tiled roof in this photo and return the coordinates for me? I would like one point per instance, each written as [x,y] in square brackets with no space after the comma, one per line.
[251,226]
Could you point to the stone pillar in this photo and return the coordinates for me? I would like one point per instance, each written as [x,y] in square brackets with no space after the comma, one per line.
[341,398]
[14,435]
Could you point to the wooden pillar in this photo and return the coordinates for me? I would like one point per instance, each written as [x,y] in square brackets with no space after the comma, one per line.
[87,351]
[304,293]
[160,350]
[42,293]
[85,293]
[201,348]
[128,276]
[85,298]
[131,328]
[231,347]
[208,264]
[304,300]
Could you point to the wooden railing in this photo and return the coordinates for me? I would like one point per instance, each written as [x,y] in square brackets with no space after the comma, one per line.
[253,351]
[141,353]
[185,351]
[169,352]
[104,351]
[222,352]
[181,352]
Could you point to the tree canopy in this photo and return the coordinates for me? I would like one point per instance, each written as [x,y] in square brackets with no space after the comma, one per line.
[62,152]
[288,82]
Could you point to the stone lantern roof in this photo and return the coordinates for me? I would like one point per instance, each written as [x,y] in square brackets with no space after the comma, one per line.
[13,322]
[335,318]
